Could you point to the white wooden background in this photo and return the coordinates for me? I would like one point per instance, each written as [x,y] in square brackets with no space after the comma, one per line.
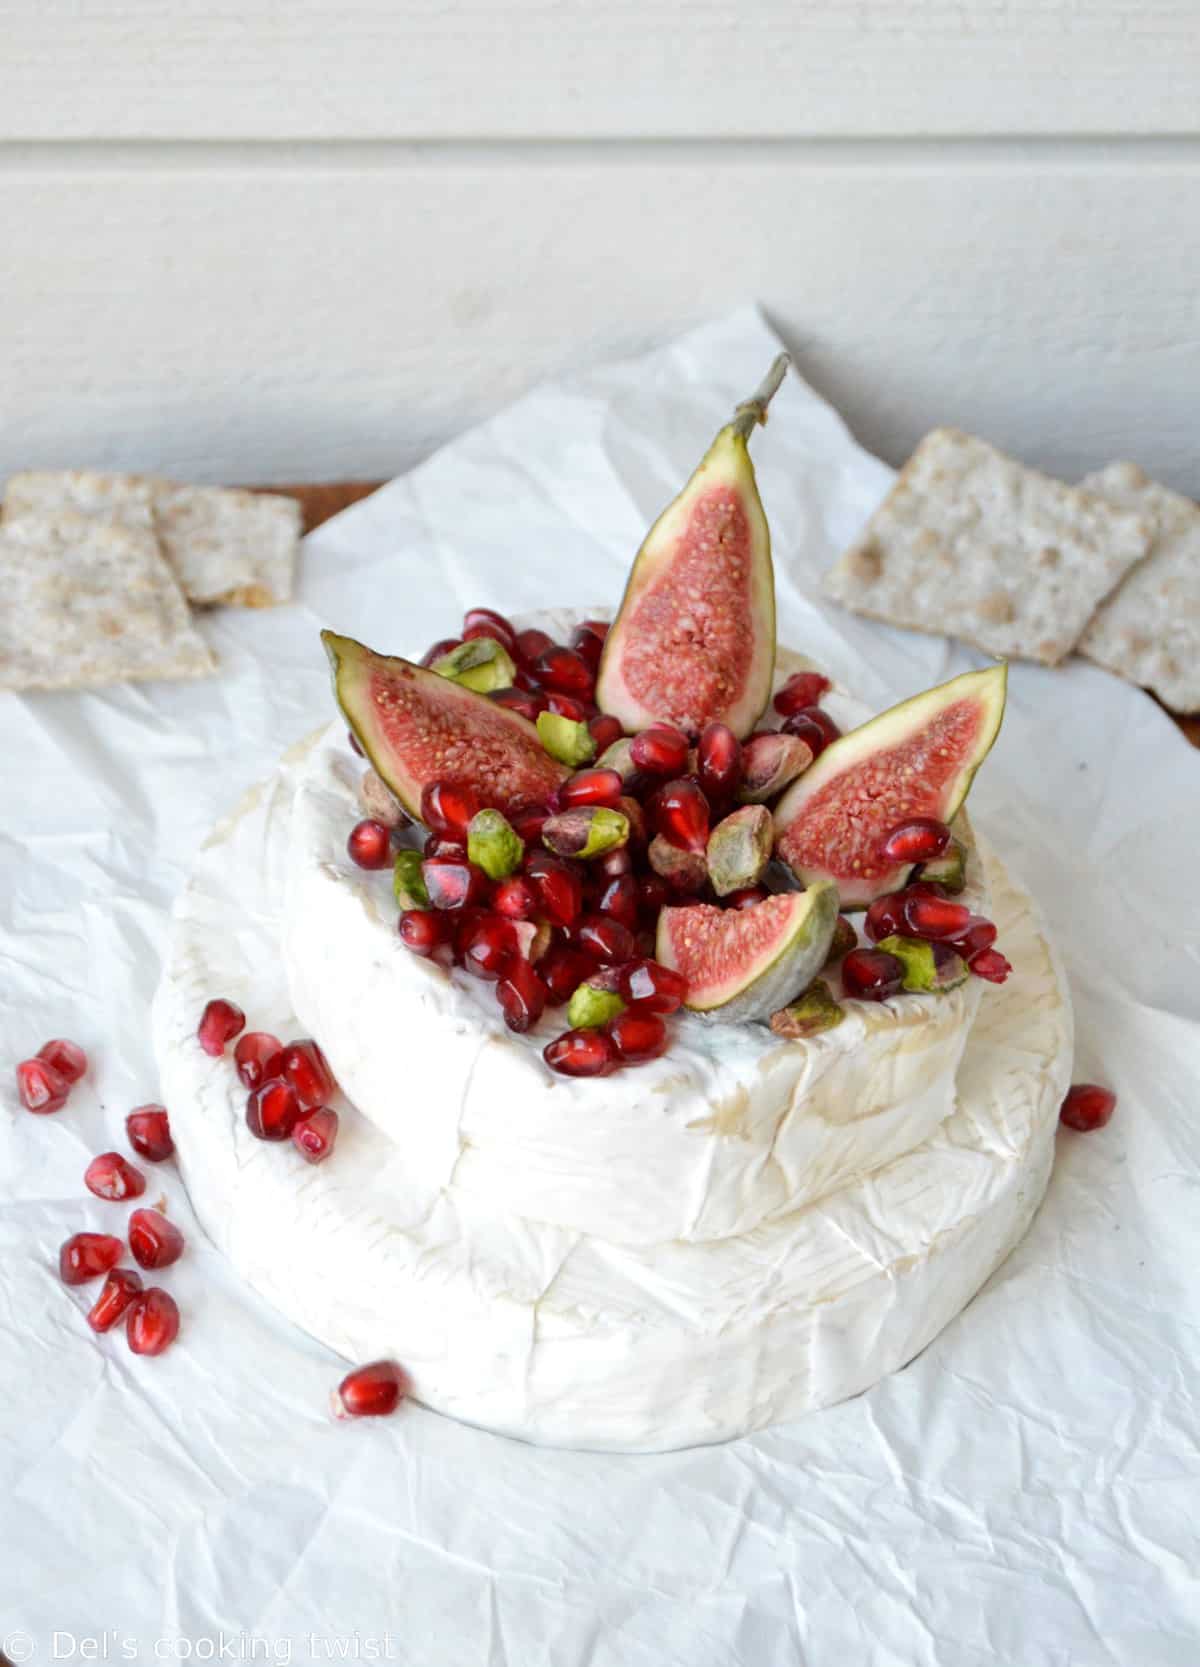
[286,239]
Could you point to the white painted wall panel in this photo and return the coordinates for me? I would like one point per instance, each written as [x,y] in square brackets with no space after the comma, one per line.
[324,316]
[575,68]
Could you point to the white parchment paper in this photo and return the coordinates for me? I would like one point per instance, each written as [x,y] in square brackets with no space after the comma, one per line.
[1026,1493]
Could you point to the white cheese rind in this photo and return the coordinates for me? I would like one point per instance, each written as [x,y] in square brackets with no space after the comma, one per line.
[557,1337]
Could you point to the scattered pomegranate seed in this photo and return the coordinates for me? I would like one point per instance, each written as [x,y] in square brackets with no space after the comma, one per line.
[489,947]
[604,731]
[447,808]
[439,845]
[605,939]
[371,1391]
[87,1255]
[148,1130]
[530,821]
[589,646]
[661,750]
[314,1135]
[370,844]
[444,645]
[67,1058]
[591,787]
[813,726]
[638,1035]
[220,1022]
[561,970]
[747,897]
[655,988]
[40,1087]
[802,689]
[564,672]
[719,761]
[117,1292]
[516,898]
[681,816]
[935,917]
[305,1067]
[522,996]
[152,1323]
[980,934]
[990,964]
[558,886]
[581,1053]
[568,706]
[354,743]
[619,899]
[255,1050]
[532,644]
[453,883]
[423,931]
[114,1177]
[654,893]
[1087,1107]
[272,1111]
[520,700]
[485,622]
[918,840]
[872,974]
[154,1241]
[613,864]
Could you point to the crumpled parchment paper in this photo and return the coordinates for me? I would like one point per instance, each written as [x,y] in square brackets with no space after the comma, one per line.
[1026,1492]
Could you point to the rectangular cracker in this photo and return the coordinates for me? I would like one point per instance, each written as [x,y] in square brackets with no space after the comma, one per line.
[971,543]
[1148,630]
[226,546]
[88,601]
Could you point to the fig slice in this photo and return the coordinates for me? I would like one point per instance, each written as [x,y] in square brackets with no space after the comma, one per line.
[744,964]
[918,759]
[694,641]
[417,729]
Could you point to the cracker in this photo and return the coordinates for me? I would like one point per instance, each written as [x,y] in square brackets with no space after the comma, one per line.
[227,545]
[128,499]
[1148,630]
[973,544]
[87,602]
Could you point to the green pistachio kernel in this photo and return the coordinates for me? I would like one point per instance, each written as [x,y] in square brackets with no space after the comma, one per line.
[570,742]
[950,869]
[481,664]
[927,966]
[814,1011]
[589,1008]
[408,883]
[585,831]
[739,849]
[492,844]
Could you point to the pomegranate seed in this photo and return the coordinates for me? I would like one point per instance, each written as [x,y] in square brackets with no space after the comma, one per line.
[305,1067]
[370,844]
[918,840]
[255,1049]
[661,750]
[484,622]
[812,726]
[445,645]
[655,988]
[354,743]
[453,883]
[489,947]
[747,897]
[114,1177]
[447,808]
[604,731]
[980,934]
[529,822]
[532,644]
[558,886]
[148,1131]
[67,1058]
[314,1135]
[990,964]
[371,1391]
[885,917]
[581,1053]
[568,706]
[935,917]
[1087,1107]
[564,672]
[719,759]
[516,898]
[591,787]
[613,864]
[802,689]
[522,996]
[605,939]
[519,700]
[654,894]
[619,900]
[154,1241]
[598,627]
[638,1035]
[561,969]
[438,845]
[41,1088]
[423,931]
[588,646]
[681,815]
[117,1292]
[220,1022]
[152,1324]
[272,1111]
[87,1255]
[872,974]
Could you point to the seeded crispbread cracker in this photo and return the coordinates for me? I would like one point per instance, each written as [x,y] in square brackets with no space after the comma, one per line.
[226,545]
[86,602]
[971,543]
[1148,630]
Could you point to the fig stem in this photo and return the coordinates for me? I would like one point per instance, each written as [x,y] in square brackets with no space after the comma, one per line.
[753,411]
